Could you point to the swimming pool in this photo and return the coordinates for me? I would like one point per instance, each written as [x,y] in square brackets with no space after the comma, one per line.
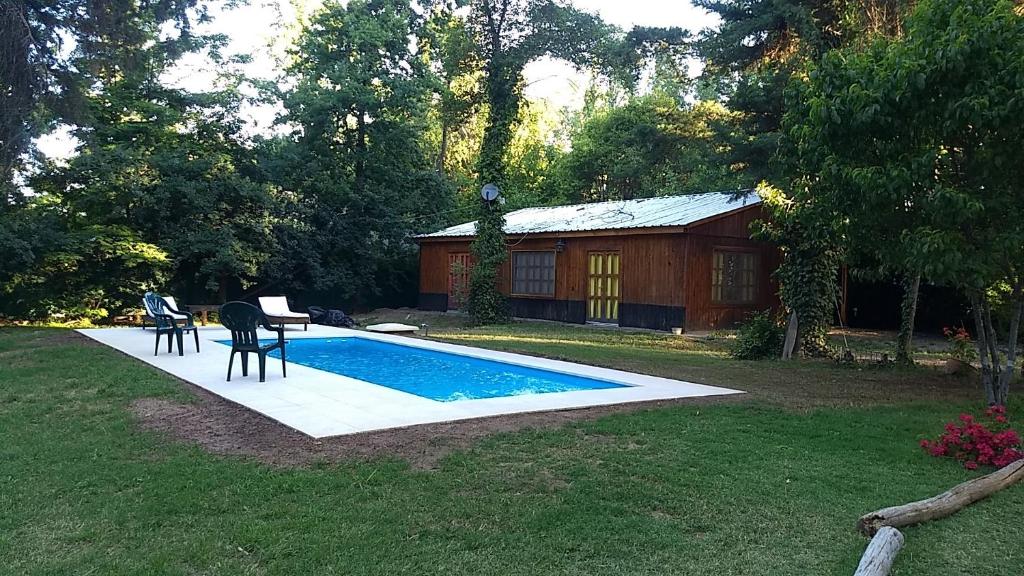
[432,374]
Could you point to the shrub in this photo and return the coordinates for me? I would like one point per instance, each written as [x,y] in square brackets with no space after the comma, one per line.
[759,338]
[960,346]
[989,441]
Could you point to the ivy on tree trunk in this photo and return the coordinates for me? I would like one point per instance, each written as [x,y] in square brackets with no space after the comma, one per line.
[486,303]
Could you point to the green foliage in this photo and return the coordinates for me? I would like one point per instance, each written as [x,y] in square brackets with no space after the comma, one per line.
[648,147]
[510,34]
[905,150]
[53,53]
[762,44]
[486,304]
[363,178]
[81,274]
[532,158]
[809,268]
[760,48]
[168,166]
[453,56]
[156,192]
[759,338]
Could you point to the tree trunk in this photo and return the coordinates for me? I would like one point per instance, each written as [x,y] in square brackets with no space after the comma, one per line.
[1002,390]
[486,303]
[792,330]
[503,95]
[981,340]
[443,151]
[992,337]
[908,311]
[881,553]
[945,504]
[360,164]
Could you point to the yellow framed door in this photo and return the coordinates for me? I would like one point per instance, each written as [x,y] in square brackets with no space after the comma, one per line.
[603,286]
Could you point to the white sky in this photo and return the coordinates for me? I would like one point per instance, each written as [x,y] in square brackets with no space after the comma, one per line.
[264,27]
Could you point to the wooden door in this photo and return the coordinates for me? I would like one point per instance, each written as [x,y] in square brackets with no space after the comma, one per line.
[458,279]
[603,287]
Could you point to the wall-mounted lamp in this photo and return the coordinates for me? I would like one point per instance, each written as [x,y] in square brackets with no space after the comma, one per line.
[560,245]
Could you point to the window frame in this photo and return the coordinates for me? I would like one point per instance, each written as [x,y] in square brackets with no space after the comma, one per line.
[553,280]
[755,276]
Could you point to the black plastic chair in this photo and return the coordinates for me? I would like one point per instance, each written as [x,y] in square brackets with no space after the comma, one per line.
[163,315]
[243,319]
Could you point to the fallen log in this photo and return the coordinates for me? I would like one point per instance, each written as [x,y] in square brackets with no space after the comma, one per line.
[881,553]
[944,504]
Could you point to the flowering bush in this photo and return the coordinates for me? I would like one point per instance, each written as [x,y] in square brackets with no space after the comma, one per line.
[989,441]
[960,346]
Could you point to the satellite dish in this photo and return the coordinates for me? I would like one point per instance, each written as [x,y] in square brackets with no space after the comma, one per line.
[490,192]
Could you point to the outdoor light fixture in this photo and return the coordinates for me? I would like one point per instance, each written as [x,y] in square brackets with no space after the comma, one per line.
[560,245]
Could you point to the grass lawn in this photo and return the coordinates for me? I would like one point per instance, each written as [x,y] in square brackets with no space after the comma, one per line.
[769,484]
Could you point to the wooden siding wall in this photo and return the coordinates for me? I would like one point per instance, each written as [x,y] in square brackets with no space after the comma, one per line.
[729,232]
[652,264]
[667,269]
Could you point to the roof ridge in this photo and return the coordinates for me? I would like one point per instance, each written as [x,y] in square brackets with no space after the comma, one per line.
[595,215]
[746,191]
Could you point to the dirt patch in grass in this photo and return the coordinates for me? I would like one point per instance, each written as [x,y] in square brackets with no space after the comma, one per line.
[223,427]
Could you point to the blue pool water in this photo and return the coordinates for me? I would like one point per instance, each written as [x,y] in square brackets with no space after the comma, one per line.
[431,374]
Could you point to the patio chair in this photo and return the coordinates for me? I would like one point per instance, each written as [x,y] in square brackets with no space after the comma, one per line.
[147,317]
[277,311]
[243,320]
[170,321]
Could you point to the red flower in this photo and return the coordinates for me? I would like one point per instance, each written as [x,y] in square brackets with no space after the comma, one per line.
[975,443]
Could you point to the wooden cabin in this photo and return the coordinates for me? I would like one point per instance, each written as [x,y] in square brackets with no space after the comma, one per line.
[660,263]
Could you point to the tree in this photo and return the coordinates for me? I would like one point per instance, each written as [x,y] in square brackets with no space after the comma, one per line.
[908,149]
[848,159]
[43,46]
[158,190]
[168,165]
[650,146]
[761,47]
[458,67]
[510,34]
[84,273]
[761,44]
[810,260]
[363,178]
[757,48]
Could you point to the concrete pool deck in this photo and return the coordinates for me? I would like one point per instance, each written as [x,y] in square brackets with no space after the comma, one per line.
[321,404]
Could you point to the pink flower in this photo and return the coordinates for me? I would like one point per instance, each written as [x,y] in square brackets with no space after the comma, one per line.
[971,465]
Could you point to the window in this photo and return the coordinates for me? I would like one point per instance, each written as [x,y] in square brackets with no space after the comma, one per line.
[734,277]
[533,273]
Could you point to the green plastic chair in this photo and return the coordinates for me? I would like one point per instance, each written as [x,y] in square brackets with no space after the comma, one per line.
[173,323]
[243,319]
